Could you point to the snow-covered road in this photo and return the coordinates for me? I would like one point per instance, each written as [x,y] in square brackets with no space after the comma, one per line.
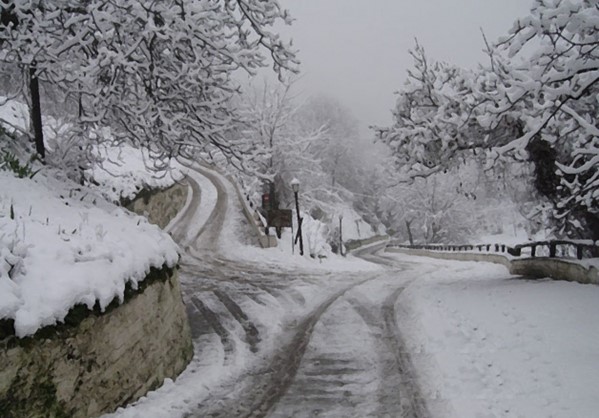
[305,362]
[411,337]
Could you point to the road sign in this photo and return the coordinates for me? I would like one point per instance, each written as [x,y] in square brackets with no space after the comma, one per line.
[279,218]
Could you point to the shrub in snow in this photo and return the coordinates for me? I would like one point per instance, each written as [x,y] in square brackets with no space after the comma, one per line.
[70,149]
[13,250]
[315,236]
[10,162]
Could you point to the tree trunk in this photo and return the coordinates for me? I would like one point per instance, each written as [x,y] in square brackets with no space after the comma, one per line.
[36,113]
[410,237]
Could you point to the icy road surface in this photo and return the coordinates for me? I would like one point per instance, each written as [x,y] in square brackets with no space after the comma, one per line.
[411,337]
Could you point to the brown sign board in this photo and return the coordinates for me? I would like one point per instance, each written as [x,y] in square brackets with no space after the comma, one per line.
[280,218]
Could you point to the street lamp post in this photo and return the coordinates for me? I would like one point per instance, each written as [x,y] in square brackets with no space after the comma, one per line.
[341,234]
[295,186]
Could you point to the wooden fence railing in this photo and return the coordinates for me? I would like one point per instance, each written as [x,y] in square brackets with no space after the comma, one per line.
[567,249]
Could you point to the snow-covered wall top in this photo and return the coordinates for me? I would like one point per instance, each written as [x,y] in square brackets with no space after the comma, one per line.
[62,245]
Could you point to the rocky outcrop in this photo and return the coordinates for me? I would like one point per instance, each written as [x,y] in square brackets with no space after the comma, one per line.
[97,361]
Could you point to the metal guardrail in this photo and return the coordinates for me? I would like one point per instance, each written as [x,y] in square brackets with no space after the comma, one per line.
[569,249]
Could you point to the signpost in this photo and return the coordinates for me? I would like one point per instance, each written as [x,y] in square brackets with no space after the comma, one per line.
[278,219]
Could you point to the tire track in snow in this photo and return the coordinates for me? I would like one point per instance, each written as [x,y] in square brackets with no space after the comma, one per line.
[264,388]
[179,230]
[412,402]
[212,319]
[261,391]
[252,336]
[211,229]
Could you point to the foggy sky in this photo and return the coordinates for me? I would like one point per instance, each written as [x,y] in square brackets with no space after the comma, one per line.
[357,50]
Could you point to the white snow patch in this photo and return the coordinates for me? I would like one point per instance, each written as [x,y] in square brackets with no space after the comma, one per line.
[14,115]
[124,171]
[488,344]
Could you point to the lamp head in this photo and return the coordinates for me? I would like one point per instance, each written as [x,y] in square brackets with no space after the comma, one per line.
[295,185]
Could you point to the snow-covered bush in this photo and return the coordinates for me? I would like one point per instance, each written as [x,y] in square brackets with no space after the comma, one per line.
[12,246]
[315,237]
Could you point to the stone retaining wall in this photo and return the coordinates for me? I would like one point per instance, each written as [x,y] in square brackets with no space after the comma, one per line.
[102,362]
[159,206]
[531,267]
[266,241]
[96,362]
[556,269]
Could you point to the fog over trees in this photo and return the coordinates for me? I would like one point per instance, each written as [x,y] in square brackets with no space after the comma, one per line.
[512,144]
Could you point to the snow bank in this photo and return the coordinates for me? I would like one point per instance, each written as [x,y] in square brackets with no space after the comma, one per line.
[124,171]
[62,245]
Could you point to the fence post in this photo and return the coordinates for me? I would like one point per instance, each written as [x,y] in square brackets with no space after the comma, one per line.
[533,250]
[579,252]
[552,248]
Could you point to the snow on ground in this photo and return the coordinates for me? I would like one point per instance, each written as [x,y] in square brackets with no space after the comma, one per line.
[125,170]
[14,115]
[285,254]
[62,245]
[208,371]
[485,344]
[491,345]
[354,227]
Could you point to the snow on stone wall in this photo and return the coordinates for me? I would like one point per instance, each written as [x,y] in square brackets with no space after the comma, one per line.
[102,362]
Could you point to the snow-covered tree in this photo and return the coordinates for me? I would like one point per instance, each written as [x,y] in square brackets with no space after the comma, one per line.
[159,74]
[280,142]
[341,136]
[552,87]
[536,101]
[434,117]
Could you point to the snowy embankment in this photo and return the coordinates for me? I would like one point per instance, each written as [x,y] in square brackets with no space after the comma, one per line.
[124,171]
[286,253]
[63,244]
[489,345]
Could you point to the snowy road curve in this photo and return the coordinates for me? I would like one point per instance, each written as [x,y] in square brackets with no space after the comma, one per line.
[293,339]
[293,343]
